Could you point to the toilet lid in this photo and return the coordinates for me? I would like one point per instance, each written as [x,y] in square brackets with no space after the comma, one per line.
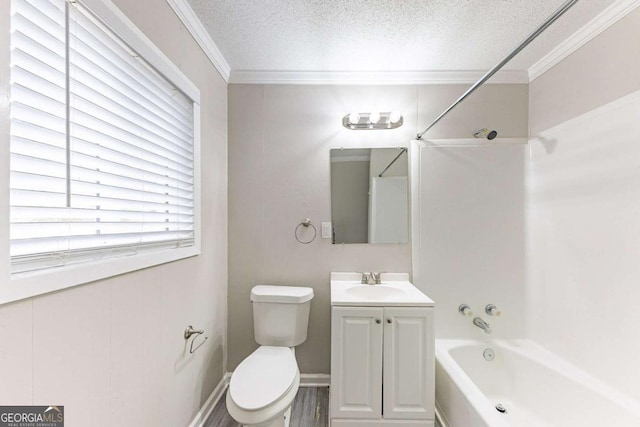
[263,377]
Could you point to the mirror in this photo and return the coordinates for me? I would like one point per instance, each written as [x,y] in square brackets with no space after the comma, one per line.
[369,195]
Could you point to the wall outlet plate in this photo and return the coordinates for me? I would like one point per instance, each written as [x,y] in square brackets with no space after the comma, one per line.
[326,230]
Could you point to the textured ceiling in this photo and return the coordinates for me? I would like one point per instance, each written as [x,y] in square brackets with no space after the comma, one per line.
[384,35]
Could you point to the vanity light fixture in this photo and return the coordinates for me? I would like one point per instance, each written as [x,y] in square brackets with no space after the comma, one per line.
[375,120]
[395,116]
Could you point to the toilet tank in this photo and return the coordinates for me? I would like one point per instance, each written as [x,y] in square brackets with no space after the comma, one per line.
[281,314]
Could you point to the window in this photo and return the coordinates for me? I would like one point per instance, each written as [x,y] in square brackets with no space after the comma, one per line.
[104,133]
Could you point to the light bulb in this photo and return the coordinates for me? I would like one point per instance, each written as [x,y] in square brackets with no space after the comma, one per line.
[354,118]
[395,117]
[374,118]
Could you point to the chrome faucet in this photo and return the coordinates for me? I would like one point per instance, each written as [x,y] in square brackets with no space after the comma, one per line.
[482,325]
[371,278]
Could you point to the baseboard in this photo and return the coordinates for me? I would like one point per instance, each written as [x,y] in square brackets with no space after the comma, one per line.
[306,380]
[211,402]
[381,423]
[315,380]
[440,417]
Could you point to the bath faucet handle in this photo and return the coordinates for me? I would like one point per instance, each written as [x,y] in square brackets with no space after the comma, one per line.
[365,279]
[492,310]
[465,310]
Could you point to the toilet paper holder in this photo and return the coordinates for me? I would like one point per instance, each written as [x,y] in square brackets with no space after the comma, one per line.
[189,332]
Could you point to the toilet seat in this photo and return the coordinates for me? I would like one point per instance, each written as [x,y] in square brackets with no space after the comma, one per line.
[264,385]
[263,377]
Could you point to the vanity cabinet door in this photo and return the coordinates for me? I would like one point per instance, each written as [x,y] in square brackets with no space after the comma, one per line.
[356,362]
[409,377]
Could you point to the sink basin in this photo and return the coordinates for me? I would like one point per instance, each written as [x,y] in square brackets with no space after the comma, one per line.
[374,292]
[395,291]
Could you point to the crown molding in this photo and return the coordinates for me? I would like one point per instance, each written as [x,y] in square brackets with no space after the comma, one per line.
[193,24]
[597,25]
[373,78]
[600,23]
[201,36]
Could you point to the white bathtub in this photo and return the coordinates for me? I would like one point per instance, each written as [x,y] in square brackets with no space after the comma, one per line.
[536,387]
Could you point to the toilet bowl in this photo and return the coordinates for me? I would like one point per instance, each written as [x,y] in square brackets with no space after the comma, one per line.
[264,385]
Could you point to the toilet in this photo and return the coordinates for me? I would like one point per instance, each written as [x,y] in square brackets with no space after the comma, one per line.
[263,386]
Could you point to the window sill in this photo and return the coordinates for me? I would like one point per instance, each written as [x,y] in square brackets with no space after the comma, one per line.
[26,285]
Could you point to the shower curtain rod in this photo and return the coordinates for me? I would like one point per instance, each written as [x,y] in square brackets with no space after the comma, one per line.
[402,151]
[550,20]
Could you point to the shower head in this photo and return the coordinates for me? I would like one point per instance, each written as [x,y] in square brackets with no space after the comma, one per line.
[485,133]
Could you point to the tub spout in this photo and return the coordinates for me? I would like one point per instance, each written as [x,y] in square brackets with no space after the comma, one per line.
[482,325]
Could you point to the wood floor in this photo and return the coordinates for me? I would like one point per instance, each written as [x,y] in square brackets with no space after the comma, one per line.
[310,409]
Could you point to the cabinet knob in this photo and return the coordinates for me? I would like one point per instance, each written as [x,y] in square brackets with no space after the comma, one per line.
[378,321]
[389,320]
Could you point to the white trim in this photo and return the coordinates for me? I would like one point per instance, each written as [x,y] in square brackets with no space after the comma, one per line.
[201,36]
[211,402]
[440,417]
[415,148]
[471,142]
[120,24]
[350,159]
[315,380]
[373,78]
[4,149]
[40,282]
[306,380]
[25,285]
[197,177]
[597,25]
[364,422]
[187,16]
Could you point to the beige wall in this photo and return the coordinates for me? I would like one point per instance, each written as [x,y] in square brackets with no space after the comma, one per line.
[583,239]
[600,72]
[112,351]
[279,141]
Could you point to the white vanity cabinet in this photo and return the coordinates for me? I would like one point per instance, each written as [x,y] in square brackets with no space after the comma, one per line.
[382,363]
[356,362]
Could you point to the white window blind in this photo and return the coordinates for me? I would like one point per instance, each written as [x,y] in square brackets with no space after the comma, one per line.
[102,145]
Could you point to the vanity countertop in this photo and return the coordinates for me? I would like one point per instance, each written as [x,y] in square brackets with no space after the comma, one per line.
[395,290]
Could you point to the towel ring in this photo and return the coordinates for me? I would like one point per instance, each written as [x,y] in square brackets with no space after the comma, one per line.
[306,223]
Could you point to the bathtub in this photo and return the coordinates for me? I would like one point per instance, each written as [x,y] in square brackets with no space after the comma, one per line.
[536,388]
